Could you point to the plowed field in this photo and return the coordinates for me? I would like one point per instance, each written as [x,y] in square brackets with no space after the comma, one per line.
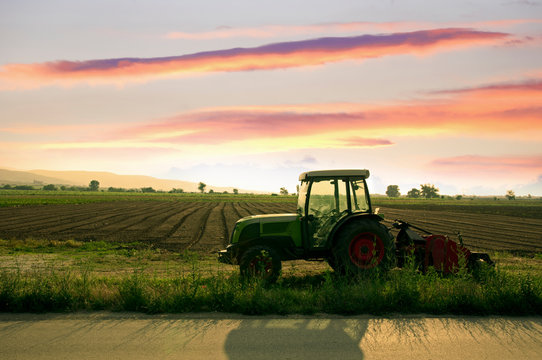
[205,226]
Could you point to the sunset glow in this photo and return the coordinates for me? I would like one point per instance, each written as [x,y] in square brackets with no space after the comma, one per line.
[247,97]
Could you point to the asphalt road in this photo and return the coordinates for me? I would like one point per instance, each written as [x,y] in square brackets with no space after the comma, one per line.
[227,336]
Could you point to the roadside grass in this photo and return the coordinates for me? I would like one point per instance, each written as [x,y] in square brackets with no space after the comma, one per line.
[73,276]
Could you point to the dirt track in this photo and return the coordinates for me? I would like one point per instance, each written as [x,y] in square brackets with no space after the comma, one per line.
[205,226]
[227,336]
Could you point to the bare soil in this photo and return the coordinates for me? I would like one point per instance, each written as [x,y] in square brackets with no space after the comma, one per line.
[206,226]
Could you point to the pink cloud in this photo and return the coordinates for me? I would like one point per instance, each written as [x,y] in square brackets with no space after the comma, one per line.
[365,142]
[273,56]
[502,109]
[527,86]
[491,165]
[497,110]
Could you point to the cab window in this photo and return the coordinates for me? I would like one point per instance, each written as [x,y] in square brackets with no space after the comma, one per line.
[358,198]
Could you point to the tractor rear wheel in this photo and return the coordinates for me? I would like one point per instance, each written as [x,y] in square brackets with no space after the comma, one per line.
[363,245]
[262,262]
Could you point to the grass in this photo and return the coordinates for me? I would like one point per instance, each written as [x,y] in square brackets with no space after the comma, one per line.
[395,292]
[43,197]
[45,276]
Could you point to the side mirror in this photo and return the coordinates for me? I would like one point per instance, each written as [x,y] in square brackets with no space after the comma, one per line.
[376,211]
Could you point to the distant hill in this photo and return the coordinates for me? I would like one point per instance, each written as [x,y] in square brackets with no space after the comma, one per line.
[14,177]
[106,179]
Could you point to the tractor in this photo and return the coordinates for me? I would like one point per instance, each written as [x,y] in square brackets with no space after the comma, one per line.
[335,222]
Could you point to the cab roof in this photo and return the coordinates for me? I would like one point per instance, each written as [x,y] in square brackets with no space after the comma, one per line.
[356,174]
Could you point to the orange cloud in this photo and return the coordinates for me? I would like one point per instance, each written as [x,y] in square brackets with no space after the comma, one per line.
[273,56]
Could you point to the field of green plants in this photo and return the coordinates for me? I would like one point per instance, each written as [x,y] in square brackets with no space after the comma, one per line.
[526,208]
[43,197]
[520,207]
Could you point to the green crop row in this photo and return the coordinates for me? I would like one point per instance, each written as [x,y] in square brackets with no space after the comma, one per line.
[528,208]
[41,197]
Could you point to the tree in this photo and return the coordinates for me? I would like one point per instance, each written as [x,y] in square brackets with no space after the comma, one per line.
[148,190]
[114,189]
[393,191]
[429,191]
[510,195]
[94,185]
[414,193]
[236,191]
[211,191]
[176,191]
[283,191]
[201,187]
[49,187]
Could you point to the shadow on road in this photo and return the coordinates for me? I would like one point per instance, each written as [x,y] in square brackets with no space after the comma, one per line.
[229,336]
[296,339]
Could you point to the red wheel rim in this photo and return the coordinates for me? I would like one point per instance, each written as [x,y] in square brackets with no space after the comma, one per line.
[261,264]
[366,250]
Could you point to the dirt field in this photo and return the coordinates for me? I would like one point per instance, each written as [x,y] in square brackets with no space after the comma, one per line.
[206,226]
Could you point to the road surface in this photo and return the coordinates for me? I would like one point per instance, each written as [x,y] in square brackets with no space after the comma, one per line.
[131,336]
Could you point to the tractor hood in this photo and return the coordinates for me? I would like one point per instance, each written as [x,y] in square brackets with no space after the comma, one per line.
[257,226]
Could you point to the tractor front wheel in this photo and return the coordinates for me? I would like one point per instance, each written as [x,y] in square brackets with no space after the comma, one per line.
[363,245]
[262,262]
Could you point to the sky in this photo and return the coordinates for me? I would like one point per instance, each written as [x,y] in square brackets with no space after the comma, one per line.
[249,94]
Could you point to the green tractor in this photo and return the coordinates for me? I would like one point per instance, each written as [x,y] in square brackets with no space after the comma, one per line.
[334,221]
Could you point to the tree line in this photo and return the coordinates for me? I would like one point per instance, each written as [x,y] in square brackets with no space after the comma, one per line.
[429,191]
[94,185]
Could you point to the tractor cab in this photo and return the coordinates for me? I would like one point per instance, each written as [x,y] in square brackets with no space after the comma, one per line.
[327,197]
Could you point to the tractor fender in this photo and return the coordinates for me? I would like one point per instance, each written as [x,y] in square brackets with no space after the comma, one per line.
[348,219]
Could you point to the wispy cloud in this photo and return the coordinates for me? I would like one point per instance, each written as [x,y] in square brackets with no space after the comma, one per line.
[503,166]
[365,142]
[271,31]
[273,56]
[528,87]
[506,110]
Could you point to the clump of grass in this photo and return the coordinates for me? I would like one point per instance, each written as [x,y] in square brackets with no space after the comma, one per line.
[399,291]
